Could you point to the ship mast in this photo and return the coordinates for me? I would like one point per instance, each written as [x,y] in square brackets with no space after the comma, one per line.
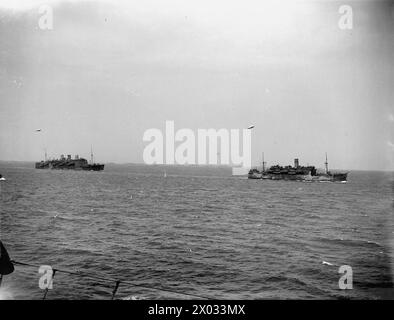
[91,154]
[326,164]
[263,163]
[45,156]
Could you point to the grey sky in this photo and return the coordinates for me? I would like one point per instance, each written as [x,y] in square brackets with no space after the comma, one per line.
[108,71]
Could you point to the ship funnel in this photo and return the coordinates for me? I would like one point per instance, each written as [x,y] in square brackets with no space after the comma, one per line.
[296,163]
[69,157]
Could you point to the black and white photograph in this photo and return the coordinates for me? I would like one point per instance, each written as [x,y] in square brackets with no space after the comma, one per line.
[180,150]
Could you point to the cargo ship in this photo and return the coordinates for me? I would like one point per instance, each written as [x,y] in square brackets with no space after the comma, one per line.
[70,164]
[297,172]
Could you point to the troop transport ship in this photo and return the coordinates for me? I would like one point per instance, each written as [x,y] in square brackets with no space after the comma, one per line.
[69,164]
[297,172]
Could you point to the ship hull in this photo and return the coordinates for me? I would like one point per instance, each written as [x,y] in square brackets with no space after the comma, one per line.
[336,177]
[94,167]
[84,168]
[286,177]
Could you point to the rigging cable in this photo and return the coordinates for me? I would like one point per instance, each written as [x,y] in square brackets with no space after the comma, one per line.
[109,280]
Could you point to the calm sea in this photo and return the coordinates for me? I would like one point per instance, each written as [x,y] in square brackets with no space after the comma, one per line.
[198,231]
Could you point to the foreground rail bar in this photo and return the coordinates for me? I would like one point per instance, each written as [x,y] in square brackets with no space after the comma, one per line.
[7,267]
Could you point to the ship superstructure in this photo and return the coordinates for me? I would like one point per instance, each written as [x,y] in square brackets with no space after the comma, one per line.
[67,163]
